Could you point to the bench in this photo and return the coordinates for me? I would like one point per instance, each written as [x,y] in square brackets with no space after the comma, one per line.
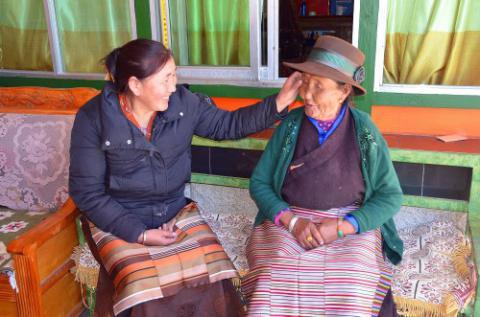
[37,220]
[225,203]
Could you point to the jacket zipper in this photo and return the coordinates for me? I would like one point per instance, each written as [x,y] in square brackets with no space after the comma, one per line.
[152,167]
[164,167]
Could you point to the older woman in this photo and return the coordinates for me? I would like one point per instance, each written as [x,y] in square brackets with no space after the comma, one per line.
[129,161]
[326,191]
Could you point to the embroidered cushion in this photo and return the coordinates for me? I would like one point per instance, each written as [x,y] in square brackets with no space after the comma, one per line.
[34,160]
[230,212]
[437,274]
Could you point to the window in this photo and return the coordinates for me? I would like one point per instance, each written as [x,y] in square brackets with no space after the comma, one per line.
[24,36]
[427,46]
[44,37]
[210,32]
[210,39]
[241,41]
[302,21]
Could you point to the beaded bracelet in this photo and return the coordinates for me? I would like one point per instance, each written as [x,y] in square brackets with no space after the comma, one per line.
[339,223]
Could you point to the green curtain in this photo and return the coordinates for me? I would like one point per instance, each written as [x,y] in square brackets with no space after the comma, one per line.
[89,29]
[433,42]
[210,32]
[24,36]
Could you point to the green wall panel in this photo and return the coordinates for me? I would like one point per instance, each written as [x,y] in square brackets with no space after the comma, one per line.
[234,91]
[7,81]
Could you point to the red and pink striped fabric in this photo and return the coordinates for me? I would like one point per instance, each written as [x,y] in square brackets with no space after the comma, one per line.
[345,278]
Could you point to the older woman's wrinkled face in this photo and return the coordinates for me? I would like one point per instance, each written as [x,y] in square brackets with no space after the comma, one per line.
[323,96]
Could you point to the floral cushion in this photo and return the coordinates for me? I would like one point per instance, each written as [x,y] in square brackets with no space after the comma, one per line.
[437,273]
[12,224]
[232,231]
[34,160]
[230,212]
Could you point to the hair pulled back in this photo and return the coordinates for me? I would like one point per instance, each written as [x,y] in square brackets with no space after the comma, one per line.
[140,58]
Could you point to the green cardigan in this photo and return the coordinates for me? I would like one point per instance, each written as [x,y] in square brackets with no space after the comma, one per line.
[383,195]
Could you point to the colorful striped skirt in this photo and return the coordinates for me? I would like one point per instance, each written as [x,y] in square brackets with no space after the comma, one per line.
[345,278]
[143,273]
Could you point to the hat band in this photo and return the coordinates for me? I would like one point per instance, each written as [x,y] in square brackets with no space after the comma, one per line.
[333,60]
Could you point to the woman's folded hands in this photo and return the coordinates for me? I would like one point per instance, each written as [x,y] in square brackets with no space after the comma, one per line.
[163,235]
[312,233]
[307,234]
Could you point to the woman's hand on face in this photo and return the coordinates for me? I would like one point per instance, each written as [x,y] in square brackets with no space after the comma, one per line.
[307,234]
[289,91]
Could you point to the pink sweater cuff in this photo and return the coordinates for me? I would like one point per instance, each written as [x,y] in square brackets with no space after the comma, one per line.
[279,215]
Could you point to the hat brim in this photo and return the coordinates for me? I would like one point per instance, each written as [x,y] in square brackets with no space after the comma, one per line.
[318,69]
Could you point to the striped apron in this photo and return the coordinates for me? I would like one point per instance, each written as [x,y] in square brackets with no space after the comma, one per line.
[143,273]
[348,277]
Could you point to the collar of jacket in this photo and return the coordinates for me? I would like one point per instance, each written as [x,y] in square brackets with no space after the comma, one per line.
[119,133]
[175,110]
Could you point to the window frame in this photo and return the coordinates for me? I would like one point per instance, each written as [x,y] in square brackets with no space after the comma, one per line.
[216,74]
[56,51]
[379,86]
[256,74]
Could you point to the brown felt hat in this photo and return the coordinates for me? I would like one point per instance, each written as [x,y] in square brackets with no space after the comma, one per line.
[336,59]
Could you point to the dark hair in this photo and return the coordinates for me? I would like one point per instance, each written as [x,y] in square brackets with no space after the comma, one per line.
[140,58]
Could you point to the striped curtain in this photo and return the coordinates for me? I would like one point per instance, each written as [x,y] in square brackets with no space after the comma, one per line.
[210,32]
[434,42]
[89,30]
[24,36]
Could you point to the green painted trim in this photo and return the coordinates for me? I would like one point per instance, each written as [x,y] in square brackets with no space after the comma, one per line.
[427,101]
[246,143]
[80,235]
[142,16]
[219,180]
[49,82]
[438,158]
[234,91]
[474,223]
[91,300]
[435,203]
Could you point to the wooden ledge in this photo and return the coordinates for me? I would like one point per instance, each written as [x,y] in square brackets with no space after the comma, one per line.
[430,143]
[45,230]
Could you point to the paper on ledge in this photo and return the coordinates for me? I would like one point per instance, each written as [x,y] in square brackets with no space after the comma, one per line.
[452,138]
